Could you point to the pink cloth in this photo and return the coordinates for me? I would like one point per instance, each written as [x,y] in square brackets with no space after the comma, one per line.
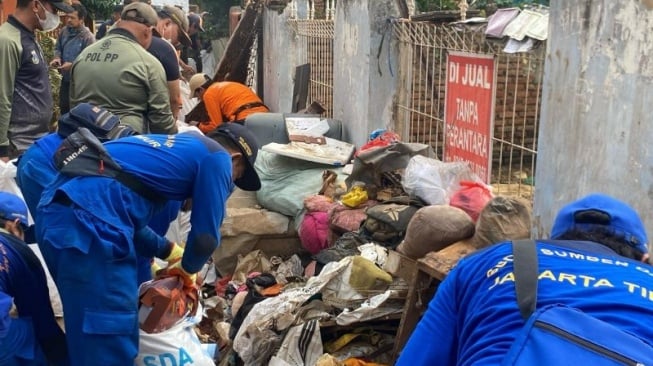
[318,203]
[314,231]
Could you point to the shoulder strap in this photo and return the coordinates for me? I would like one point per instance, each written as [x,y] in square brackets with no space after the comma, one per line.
[525,270]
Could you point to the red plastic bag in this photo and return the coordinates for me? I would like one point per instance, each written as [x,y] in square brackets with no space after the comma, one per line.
[471,198]
[385,139]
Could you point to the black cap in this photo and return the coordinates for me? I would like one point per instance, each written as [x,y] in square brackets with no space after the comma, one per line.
[246,142]
[62,6]
[196,19]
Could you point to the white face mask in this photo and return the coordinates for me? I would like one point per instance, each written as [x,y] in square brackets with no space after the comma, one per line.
[51,21]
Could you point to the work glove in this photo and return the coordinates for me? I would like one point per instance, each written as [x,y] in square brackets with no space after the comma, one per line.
[155,268]
[174,268]
[175,254]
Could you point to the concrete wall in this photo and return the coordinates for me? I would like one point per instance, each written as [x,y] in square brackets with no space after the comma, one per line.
[596,130]
[363,95]
[364,85]
[279,60]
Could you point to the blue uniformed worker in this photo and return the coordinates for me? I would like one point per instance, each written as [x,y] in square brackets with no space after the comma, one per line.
[595,265]
[91,228]
[33,338]
[36,169]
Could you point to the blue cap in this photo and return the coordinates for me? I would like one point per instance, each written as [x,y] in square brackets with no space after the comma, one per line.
[619,217]
[13,207]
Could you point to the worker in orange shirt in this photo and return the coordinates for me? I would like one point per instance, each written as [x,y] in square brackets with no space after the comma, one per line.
[224,100]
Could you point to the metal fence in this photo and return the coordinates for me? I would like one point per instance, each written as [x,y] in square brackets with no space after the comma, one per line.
[315,45]
[419,109]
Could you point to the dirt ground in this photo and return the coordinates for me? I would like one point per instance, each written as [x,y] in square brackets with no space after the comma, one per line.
[514,190]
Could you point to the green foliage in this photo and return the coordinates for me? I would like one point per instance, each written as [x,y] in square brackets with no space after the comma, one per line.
[216,23]
[47,45]
[433,5]
[100,9]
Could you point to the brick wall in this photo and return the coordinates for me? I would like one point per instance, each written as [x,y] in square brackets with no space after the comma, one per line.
[516,107]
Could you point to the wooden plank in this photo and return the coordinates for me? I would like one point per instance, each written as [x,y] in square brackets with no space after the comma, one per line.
[439,264]
[300,89]
[400,266]
[434,266]
[403,8]
[415,305]
[443,15]
[236,55]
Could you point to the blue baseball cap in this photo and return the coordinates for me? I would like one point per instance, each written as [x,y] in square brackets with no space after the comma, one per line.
[612,214]
[13,207]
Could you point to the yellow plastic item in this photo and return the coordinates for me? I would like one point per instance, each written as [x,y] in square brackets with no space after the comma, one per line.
[366,275]
[155,268]
[176,253]
[356,196]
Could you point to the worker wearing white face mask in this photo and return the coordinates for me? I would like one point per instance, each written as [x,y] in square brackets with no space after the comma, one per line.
[25,96]
[51,21]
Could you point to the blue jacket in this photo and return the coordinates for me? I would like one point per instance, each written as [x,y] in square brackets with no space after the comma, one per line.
[36,170]
[473,319]
[187,165]
[23,281]
[70,44]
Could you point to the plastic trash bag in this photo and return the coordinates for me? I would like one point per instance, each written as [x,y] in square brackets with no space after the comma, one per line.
[434,181]
[178,345]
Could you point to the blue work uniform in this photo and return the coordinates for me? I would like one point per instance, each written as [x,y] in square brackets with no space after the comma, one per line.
[36,170]
[91,229]
[474,317]
[26,340]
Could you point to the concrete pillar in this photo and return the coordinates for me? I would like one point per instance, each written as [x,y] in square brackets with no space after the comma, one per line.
[596,130]
[279,60]
[364,86]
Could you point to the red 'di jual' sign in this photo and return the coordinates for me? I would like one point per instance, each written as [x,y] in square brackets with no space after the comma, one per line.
[469,111]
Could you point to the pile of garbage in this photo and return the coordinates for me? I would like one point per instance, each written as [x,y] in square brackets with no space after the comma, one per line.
[336,301]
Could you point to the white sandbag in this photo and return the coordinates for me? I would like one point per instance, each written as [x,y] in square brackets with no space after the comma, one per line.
[286,182]
[177,346]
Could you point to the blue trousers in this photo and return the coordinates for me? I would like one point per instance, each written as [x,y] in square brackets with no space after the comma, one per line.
[19,348]
[95,268]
